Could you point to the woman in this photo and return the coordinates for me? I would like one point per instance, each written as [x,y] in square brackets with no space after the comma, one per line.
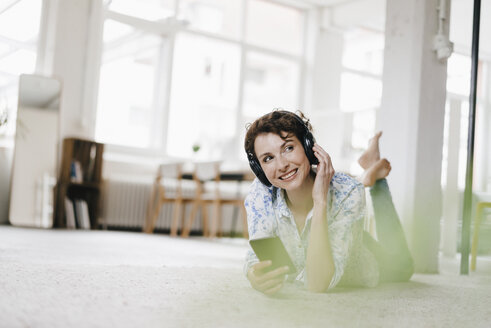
[318,213]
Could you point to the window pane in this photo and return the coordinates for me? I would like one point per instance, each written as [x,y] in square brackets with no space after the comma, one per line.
[359,92]
[364,51]
[275,26]
[363,128]
[459,74]
[269,82]
[127,88]
[114,31]
[18,61]
[216,16]
[8,110]
[19,28]
[21,21]
[203,96]
[152,10]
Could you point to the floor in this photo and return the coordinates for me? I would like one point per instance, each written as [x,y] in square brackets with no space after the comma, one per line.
[60,278]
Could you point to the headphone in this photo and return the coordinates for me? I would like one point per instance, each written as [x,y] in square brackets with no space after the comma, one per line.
[306,139]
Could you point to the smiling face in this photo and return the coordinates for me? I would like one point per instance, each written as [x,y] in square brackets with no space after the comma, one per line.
[283,160]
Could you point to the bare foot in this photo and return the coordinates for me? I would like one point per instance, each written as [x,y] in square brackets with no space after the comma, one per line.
[372,154]
[377,171]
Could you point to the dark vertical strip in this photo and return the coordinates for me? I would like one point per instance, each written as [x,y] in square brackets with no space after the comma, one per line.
[466,221]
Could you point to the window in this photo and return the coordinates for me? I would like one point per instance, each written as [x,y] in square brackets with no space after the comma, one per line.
[364,125]
[364,51]
[269,82]
[459,74]
[362,71]
[187,73]
[215,16]
[458,91]
[129,90]
[204,92]
[19,26]
[368,92]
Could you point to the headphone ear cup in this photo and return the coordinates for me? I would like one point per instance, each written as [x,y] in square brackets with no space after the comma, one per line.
[258,171]
[308,144]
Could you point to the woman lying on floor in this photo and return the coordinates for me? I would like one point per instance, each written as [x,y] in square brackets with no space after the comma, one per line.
[319,214]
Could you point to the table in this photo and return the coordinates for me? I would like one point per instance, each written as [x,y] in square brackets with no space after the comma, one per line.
[228,176]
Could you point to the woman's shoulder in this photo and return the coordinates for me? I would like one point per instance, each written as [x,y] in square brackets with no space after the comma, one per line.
[257,187]
[344,182]
[260,213]
[258,190]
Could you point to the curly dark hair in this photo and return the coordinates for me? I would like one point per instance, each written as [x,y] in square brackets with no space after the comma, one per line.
[276,122]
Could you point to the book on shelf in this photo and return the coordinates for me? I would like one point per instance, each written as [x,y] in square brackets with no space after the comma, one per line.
[69,214]
[76,174]
[85,213]
[90,167]
[77,214]
[82,213]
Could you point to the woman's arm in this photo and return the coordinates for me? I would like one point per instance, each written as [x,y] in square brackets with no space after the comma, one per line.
[319,262]
[260,223]
[346,227]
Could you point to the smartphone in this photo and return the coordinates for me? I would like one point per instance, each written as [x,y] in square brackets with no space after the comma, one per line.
[271,248]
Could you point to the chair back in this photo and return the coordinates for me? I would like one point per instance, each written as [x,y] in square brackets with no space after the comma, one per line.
[170,170]
[207,170]
[167,181]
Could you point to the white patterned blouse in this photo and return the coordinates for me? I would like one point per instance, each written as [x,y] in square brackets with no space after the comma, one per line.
[268,215]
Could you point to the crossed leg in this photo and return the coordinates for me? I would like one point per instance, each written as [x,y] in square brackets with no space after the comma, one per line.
[391,249]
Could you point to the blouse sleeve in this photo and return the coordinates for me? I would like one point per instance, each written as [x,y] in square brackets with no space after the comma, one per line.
[260,217]
[345,229]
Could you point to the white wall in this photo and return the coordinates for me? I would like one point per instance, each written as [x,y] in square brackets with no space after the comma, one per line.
[70,64]
[412,114]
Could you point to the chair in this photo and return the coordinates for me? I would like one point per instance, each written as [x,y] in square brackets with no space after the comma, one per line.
[477,223]
[206,175]
[171,173]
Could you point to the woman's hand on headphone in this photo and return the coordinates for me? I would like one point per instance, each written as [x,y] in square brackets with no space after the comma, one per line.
[268,283]
[325,172]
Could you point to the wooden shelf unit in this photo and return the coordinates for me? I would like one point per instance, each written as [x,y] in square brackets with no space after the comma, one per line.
[89,154]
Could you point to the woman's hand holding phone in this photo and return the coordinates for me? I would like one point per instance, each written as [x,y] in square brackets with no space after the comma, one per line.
[267,282]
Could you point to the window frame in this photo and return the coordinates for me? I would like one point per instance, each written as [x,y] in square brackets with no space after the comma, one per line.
[119,151]
[39,45]
[350,134]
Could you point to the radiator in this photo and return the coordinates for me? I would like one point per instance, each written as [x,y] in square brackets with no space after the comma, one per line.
[124,205]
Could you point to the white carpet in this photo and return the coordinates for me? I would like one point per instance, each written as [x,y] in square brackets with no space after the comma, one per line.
[58,278]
